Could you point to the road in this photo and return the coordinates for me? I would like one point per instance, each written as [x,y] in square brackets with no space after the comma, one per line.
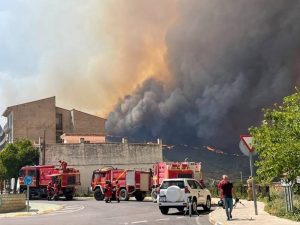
[91,212]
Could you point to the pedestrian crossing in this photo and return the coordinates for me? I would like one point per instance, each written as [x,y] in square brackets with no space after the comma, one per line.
[67,209]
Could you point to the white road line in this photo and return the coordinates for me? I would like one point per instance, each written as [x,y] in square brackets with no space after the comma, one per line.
[66,210]
[142,221]
[179,217]
[162,219]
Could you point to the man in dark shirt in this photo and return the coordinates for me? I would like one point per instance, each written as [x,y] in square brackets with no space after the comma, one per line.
[226,189]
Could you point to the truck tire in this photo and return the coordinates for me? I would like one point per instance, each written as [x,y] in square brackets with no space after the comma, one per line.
[139,196]
[164,210]
[180,208]
[124,195]
[69,197]
[98,195]
[154,195]
[207,205]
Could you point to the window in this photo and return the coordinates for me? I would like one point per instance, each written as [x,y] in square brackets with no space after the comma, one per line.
[198,185]
[192,184]
[167,184]
[59,125]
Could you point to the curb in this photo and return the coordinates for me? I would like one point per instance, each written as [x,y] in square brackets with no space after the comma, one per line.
[28,214]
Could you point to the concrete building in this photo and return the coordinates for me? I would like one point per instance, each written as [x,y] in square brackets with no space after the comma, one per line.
[42,118]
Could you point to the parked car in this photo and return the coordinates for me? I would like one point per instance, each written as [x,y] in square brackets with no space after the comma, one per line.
[175,193]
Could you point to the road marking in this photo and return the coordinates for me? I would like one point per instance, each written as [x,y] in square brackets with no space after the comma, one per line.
[179,217]
[142,221]
[67,209]
[162,219]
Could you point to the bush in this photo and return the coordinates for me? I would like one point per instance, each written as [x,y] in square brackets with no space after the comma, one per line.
[276,206]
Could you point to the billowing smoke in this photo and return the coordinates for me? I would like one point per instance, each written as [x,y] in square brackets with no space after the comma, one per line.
[227,60]
[88,53]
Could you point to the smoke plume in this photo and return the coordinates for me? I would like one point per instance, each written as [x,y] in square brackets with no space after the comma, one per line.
[226,61]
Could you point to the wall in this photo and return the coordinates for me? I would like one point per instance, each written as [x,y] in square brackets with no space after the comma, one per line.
[88,157]
[84,123]
[12,203]
[31,119]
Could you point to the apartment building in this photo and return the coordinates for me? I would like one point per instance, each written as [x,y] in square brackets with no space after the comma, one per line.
[42,118]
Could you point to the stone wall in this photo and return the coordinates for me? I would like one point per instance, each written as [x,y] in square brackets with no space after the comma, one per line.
[12,203]
[88,157]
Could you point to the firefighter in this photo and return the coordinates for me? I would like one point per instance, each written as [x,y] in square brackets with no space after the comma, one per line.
[250,189]
[50,190]
[63,165]
[108,191]
[56,188]
[118,191]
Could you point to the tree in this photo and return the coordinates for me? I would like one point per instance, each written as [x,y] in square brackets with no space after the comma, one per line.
[16,155]
[277,141]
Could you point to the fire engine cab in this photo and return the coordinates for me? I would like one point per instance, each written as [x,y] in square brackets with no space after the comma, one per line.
[67,180]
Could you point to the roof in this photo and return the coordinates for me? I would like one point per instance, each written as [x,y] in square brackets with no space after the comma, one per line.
[9,109]
[82,134]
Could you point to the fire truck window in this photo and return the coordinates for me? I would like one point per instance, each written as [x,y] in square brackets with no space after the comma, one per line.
[21,173]
[185,176]
[32,173]
[102,174]
[96,176]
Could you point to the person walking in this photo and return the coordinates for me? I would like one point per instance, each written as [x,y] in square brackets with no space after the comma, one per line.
[226,189]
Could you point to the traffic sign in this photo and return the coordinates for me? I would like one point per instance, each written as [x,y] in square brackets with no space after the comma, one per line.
[28,180]
[248,141]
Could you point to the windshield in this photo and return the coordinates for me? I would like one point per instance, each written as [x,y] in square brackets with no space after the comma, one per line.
[178,183]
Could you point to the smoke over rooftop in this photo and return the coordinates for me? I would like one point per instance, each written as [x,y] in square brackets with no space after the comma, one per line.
[226,61]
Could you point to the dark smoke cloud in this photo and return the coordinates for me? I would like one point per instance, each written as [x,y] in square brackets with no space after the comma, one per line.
[227,60]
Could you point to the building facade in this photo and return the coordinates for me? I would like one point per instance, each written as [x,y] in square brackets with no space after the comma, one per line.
[43,119]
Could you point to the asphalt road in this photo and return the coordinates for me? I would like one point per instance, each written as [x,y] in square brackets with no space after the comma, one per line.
[91,212]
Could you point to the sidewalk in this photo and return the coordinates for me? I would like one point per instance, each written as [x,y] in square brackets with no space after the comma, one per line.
[35,208]
[245,215]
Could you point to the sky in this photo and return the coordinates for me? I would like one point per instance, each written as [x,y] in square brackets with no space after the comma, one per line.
[197,71]
[86,53]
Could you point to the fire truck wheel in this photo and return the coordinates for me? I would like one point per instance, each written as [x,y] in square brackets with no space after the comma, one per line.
[154,195]
[139,197]
[164,210]
[98,195]
[69,197]
[124,195]
[180,209]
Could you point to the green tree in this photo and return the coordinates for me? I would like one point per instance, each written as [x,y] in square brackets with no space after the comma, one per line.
[277,141]
[16,155]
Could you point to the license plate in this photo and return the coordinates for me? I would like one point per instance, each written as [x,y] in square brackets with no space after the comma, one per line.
[162,199]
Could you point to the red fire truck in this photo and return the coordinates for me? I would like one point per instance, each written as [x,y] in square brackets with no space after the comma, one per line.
[133,183]
[67,180]
[167,170]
